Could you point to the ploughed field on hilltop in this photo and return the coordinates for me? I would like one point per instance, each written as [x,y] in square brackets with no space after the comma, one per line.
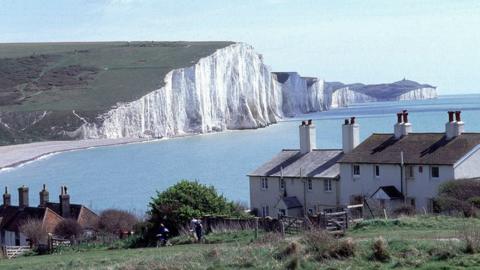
[47,88]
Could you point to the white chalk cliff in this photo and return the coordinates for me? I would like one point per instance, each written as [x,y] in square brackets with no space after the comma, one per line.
[230,89]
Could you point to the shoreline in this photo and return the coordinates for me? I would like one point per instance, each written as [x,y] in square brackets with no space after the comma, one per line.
[13,156]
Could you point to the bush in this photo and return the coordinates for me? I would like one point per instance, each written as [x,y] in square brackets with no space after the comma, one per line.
[470,235]
[33,229]
[380,250]
[186,200]
[459,195]
[68,229]
[117,221]
[326,246]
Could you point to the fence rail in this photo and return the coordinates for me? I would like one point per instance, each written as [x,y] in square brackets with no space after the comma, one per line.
[14,251]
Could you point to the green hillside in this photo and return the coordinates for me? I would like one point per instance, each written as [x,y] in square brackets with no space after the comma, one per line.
[89,78]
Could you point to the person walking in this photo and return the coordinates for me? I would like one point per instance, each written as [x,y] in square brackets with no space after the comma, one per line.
[198,230]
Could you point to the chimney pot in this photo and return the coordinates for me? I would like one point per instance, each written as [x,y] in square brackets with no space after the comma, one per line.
[458,116]
[450,116]
[399,117]
[23,197]
[309,122]
[64,203]
[347,122]
[44,196]
[352,120]
[303,123]
[405,116]
[6,198]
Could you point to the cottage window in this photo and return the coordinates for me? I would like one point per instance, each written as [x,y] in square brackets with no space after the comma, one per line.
[265,211]
[310,184]
[264,183]
[377,171]
[410,172]
[356,170]
[310,211]
[420,169]
[435,172]
[282,184]
[327,185]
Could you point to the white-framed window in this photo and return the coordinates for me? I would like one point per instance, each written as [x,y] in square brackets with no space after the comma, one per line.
[310,184]
[435,172]
[265,211]
[327,185]
[282,184]
[264,183]
[377,171]
[410,172]
[356,170]
[420,169]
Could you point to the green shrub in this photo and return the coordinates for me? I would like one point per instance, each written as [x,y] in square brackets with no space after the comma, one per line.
[186,200]
[459,195]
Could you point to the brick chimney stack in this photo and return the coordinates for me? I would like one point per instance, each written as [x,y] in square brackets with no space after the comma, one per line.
[64,203]
[7,199]
[44,196]
[23,197]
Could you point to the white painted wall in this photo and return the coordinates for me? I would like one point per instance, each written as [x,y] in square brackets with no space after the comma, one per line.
[316,198]
[422,187]
[468,166]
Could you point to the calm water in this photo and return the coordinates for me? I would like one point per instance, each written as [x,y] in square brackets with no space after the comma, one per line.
[127,176]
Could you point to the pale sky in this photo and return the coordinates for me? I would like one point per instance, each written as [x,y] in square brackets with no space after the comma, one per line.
[435,42]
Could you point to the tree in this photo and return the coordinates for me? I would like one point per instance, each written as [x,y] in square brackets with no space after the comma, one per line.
[33,229]
[459,195]
[177,205]
[68,229]
[116,221]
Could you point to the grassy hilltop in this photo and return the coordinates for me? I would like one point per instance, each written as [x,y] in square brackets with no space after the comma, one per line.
[86,77]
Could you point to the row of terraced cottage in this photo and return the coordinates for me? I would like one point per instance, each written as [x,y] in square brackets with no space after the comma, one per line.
[390,170]
[12,217]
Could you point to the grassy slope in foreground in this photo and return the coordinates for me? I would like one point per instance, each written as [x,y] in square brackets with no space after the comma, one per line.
[89,78]
[418,242]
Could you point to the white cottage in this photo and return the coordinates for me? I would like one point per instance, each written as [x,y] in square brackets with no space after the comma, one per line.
[297,181]
[405,167]
[395,169]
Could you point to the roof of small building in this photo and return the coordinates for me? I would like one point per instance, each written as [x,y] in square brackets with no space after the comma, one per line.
[391,191]
[12,217]
[318,163]
[291,202]
[417,148]
[74,209]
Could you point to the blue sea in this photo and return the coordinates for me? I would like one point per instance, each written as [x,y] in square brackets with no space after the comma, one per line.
[127,176]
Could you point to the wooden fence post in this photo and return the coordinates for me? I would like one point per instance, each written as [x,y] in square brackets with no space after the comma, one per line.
[256,227]
[282,228]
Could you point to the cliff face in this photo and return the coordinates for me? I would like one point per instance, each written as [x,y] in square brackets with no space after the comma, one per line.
[161,89]
[233,89]
[230,89]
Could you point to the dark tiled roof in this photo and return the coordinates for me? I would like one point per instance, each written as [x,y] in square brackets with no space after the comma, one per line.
[317,163]
[12,217]
[291,202]
[418,148]
[74,209]
[391,192]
